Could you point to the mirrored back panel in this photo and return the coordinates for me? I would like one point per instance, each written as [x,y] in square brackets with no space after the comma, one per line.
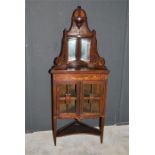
[72,49]
[85,49]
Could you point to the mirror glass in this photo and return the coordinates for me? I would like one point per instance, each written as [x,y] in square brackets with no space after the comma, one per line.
[85,49]
[71,49]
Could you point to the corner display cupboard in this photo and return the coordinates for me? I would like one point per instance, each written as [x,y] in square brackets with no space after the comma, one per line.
[79,80]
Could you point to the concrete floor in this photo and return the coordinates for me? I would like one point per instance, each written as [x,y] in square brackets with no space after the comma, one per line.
[115,143]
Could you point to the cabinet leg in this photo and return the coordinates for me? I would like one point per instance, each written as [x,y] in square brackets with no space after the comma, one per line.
[101,125]
[54,129]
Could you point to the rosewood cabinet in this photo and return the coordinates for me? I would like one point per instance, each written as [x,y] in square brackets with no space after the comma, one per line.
[79,78]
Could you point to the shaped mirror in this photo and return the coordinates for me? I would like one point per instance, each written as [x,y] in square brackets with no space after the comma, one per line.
[85,49]
[71,49]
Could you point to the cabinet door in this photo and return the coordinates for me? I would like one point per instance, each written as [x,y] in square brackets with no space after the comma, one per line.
[91,97]
[67,97]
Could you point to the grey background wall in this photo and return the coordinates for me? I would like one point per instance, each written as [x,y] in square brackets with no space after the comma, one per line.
[45,21]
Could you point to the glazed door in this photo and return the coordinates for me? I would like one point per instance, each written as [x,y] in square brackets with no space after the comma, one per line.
[91,97]
[85,94]
[67,97]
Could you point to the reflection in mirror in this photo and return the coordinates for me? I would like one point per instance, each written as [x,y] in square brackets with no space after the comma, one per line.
[71,49]
[85,49]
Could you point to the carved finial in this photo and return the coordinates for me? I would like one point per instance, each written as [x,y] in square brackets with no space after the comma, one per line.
[79,7]
[79,16]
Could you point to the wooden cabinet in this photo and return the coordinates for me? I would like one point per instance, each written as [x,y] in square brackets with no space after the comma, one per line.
[79,78]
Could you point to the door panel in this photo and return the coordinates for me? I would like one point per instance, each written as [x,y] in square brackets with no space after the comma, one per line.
[67,97]
[91,97]
[91,89]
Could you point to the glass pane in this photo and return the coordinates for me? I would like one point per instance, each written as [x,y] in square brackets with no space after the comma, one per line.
[95,106]
[87,89]
[62,106]
[65,107]
[91,89]
[67,89]
[72,106]
[67,98]
[72,89]
[91,106]
[71,49]
[86,106]
[62,90]
[85,49]
[96,90]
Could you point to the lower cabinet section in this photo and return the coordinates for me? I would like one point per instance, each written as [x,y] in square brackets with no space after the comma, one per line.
[79,97]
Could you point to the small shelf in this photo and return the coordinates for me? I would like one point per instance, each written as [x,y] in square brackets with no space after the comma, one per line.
[77,127]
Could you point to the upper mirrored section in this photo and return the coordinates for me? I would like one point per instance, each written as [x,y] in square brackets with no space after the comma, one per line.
[79,45]
[71,49]
[85,49]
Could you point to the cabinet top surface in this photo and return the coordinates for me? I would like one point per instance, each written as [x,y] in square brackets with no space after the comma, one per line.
[80,71]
